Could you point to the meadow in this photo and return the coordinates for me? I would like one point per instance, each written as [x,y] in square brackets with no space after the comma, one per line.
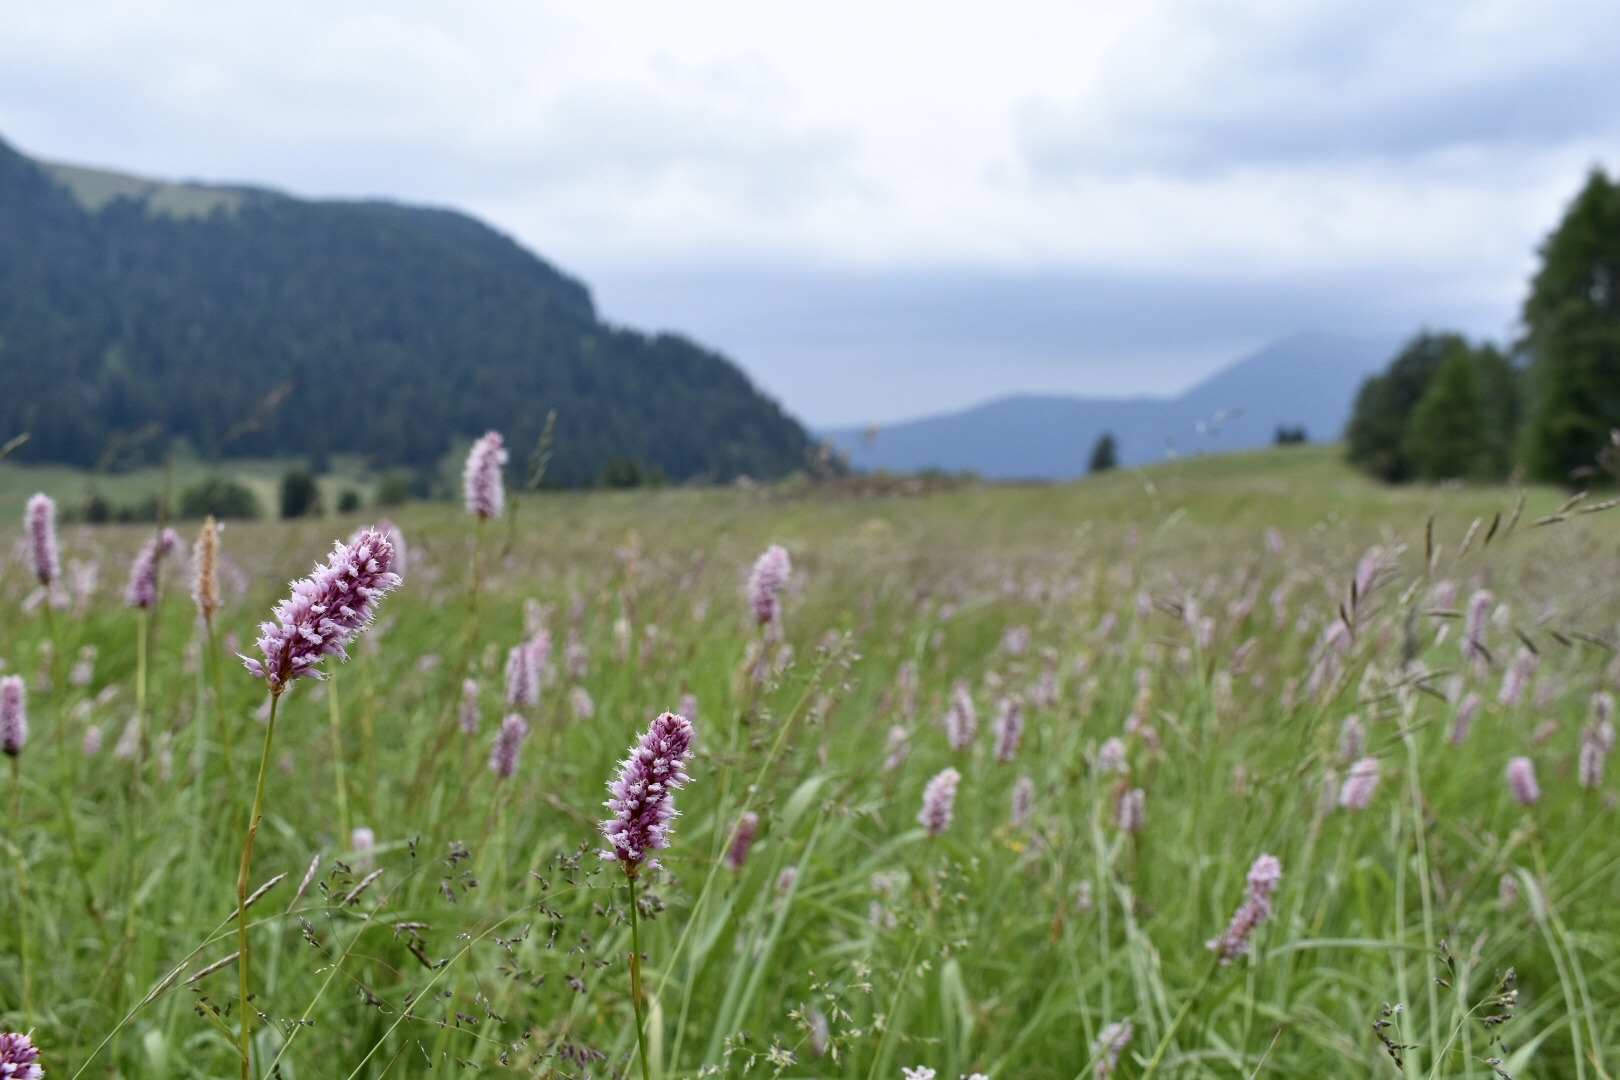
[1145,681]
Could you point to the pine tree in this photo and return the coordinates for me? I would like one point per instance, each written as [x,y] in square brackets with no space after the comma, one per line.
[1572,322]
[1445,435]
[1104,455]
[1377,431]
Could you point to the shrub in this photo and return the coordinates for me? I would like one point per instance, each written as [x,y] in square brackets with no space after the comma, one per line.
[300,495]
[221,497]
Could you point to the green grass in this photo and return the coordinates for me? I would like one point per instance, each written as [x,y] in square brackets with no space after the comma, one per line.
[967,952]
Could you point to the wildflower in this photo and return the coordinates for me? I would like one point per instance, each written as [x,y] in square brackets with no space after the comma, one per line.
[1352,738]
[503,756]
[325,612]
[1507,892]
[1597,741]
[1274,540]
[40,521]
[1521,777]
[522,677]
[13,715]
[1115,1037]
[1023,802]
[643,802]
[579,701]
[1466,711]
[788,878]
[961,719]
[1359,784]
[470,716]
[396,538]
[142,591]
[1130,810]
[1015,641]
[899,746]
[689,706]
[361,841]
[938,800]
[1111,756]
[205,570]
[921,1072]
[1009,729]
[129,743]
[481,483]
[92,741]
[1264,876]
[765,583]
[19,1059]
[1517,677]
[1476,625]
[742,838]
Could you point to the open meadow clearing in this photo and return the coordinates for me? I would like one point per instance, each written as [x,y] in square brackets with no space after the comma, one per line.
[1231,767]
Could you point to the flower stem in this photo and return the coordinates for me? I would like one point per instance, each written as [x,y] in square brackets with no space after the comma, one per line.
[337,756]
[63,775]
[22,891]
[635,976]
[242,888]
[225,751]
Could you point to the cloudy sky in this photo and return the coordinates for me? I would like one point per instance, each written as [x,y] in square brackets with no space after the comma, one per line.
[885,210]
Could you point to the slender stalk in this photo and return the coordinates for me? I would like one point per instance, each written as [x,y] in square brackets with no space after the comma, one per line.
[242,888]
[64,775]
[635,975]
[22,891]
[225,750]
[1181,1014]
[337,756]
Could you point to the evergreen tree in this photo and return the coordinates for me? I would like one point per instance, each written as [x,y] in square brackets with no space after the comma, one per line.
[1377,431]
[1445,435]
[1105,455]
[1572,323]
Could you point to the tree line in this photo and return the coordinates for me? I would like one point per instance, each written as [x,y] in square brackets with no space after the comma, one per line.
[1545,407]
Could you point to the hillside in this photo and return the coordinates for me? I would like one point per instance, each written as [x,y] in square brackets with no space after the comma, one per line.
[1307,379]
[373,328]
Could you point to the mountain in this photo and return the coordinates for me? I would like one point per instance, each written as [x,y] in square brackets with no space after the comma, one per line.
[1307,380]
[252,323]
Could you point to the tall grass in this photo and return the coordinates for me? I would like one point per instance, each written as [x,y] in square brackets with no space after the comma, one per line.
[482,934]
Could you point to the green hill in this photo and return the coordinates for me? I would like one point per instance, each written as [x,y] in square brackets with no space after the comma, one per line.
[252,324]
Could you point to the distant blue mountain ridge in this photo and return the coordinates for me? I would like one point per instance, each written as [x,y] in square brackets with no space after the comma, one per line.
[1305,380]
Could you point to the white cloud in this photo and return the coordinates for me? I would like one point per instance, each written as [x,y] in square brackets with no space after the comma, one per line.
[1268,141]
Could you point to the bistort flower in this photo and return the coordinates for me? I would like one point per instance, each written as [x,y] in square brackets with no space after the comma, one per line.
[643,802]
[325,612]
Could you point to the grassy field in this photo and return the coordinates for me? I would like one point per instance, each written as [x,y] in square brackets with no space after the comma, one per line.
[1201,612]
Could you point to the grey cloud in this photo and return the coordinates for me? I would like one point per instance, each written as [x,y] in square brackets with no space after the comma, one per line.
[1342,86]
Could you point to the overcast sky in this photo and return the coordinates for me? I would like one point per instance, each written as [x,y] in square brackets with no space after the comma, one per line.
[889,209]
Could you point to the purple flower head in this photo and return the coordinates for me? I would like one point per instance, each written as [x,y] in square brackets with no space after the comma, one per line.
[1476,625]
[143,573]
[580,703]
[1467,709]
[481,482]
[522,677]
[325,611]
[939,797]
[1023,802]
[765,583]
[1111,756]
[1264,877]
[19,1060]
[742,839]
[13,714]
[961,719]
[1116,1037]
[1130,810]
[469,718]
[1521,777]
[643,802]
[1359,785]
[503,756]
[396,538]
[1352,738]
[40,520]
[898,747]
[1517,677]
[1009,729]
